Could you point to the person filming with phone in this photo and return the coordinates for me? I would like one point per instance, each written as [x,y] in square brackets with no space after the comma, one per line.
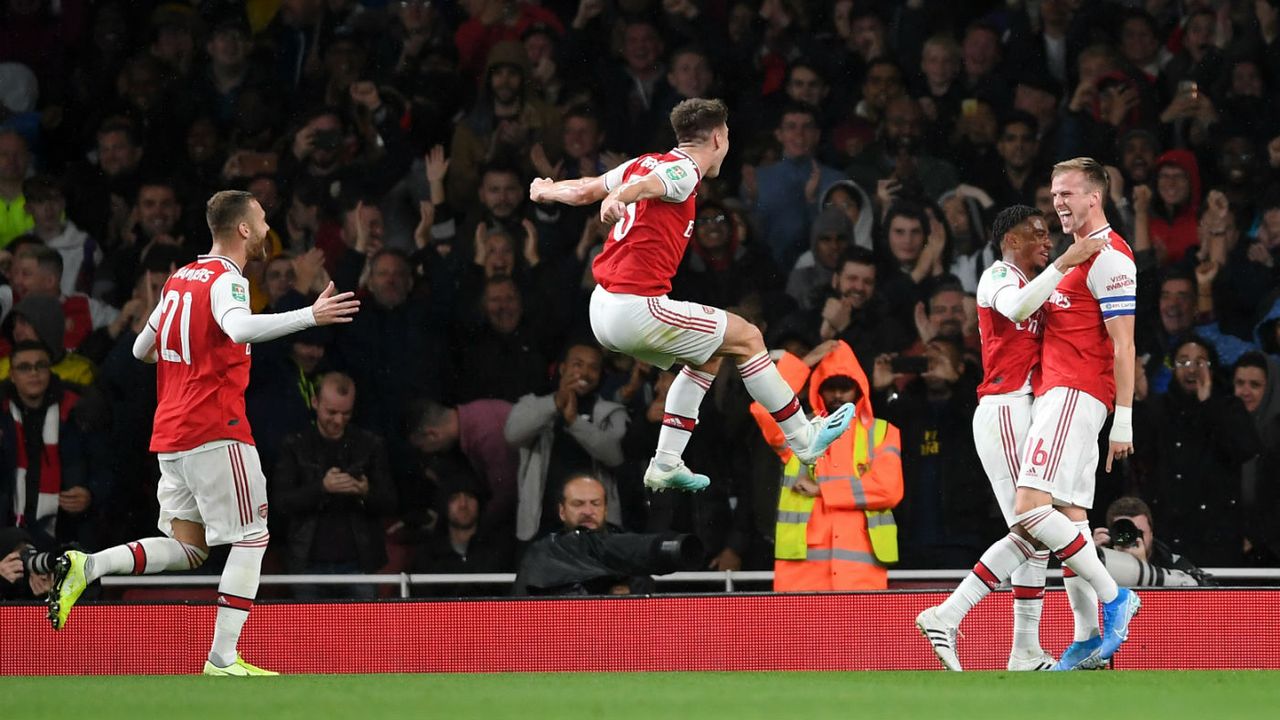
[1134,556]
[948,513]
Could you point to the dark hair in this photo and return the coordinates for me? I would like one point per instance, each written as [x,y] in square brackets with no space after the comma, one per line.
[47,259]
[28,345]
[909,210]
[1128,506]
[1019,117]
[944,285]
[694,120]
[119,124]
[386,250]
[580,341]
[1143,17]
[839,383]
[39,188]
[584,111]
[857,255]
[158,182]
[581,476]
[500,168]
[885,60]
[982,25]
[688,50]
[1176,273]
[1008,219]
[798,108]
[1253,358]
[1194,339]
[810,65]
[225,210]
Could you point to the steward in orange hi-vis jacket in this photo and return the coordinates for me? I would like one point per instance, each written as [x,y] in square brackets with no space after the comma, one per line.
[835,528]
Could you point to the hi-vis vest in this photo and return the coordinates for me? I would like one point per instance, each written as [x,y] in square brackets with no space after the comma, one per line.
[795,508]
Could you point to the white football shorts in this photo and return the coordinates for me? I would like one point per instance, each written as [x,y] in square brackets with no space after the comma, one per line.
[1000,425]
[1061,453]
[657,330]
[220,485]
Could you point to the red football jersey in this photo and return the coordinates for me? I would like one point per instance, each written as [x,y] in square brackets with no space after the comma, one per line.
[1010,350]
[1077,350]
[201,374]
[644,248]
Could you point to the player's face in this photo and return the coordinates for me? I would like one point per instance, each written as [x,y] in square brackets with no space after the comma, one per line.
[720,138]
[30,372]
[583,504]
[855,283]
[1032,244]
[1073,200]
[255,225]
[333,413]
[1250,383]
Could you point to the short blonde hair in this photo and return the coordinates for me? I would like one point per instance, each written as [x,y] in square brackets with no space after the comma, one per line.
[1094,172]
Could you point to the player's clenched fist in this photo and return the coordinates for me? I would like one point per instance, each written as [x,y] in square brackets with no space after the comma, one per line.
[611,210]
[539,187]
[331,308]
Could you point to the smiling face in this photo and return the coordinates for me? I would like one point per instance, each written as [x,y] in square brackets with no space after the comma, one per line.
[1028,244]
[798,135]
[946,312]
[1173,185]
[1074,201]
[1249,384]
[1190,363]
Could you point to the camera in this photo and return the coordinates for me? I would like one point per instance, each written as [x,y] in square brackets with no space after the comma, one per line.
[35,562]
[326,139]
[1124,534]
[586,562]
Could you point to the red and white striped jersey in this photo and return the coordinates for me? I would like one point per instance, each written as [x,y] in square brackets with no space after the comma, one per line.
[1010,350]
[1077,350]
[644,248]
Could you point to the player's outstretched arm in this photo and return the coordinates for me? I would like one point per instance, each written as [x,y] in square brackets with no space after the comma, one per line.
[242,326]
[579,191]
[1021,303]
[144,346]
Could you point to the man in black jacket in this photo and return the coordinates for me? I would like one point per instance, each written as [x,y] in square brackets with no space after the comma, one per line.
[332,487]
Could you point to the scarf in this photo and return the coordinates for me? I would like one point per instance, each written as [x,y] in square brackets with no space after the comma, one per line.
[35,498]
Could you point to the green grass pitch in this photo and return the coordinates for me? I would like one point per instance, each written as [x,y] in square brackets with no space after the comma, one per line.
[657,696]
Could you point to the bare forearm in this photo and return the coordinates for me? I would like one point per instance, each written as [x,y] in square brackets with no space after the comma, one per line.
[579,191]
[1125,366]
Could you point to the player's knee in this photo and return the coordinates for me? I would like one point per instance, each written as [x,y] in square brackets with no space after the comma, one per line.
[197,554]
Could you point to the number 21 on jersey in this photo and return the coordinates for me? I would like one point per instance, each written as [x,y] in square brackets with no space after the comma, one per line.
[174,304]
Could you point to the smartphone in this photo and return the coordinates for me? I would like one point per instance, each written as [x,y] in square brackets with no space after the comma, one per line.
[969,107]
[1190,88]
[912,365]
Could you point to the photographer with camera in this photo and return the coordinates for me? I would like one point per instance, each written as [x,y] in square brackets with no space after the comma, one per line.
[591,557]
[1134,556]
[25,573]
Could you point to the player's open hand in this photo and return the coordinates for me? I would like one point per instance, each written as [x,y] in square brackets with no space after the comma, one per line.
[1080,251]
[333,307]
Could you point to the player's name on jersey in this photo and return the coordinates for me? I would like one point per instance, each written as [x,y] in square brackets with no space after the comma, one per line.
[194,274]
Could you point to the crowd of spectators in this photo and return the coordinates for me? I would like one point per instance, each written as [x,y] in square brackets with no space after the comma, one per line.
[392,144]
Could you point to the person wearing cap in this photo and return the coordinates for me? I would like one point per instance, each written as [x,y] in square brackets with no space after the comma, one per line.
[831,234]
[39,318]
[80,253]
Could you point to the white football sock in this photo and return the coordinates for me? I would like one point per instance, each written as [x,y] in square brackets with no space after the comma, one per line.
[1073,547]
[1028,601]
[766,386]
[680,415]
[144,557]
[236,592]
[994,567]
[1084,600]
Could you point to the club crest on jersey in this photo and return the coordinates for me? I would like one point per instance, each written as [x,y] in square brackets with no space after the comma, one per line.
[675,172]
[1060,300]
[238,293]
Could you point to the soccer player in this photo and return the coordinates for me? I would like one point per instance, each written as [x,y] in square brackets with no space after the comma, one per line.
[1010,323]
[211,490]
[650,201]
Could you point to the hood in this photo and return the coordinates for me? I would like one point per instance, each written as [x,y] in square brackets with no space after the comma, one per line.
[1269,409]
[977,223]
[866,218]
[831,221]
[71,238]
[1186,160]
[841,361]
[508,52]
[19,89]
[46,317]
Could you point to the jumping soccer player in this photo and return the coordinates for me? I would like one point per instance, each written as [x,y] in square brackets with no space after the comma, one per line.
[650,201]
[211,490]
[1010,323]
